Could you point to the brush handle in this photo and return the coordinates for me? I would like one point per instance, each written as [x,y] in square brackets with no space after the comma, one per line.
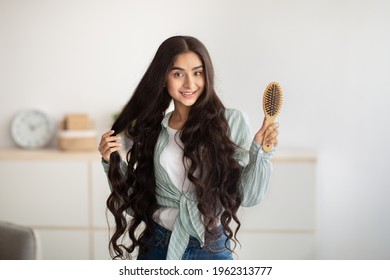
[267,148]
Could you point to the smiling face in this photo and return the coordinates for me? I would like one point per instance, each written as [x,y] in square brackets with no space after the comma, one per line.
[185,81]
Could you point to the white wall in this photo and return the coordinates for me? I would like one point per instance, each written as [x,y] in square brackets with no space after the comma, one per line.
[331,57]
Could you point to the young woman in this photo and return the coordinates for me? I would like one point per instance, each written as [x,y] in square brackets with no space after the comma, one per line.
[187,171]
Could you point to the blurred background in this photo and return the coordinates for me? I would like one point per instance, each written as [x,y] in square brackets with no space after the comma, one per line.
[331,58]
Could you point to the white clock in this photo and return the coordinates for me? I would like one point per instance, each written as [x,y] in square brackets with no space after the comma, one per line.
[32,129]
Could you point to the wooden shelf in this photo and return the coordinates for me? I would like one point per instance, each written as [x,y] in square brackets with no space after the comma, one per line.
[47,154]
[281,155]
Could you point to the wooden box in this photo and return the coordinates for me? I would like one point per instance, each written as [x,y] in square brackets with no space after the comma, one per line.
[77,140]
[77,122]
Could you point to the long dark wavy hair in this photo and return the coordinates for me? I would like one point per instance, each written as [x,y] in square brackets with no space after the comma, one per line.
[213,169]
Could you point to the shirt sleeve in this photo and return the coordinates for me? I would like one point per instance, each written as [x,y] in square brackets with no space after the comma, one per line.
[123,166]
[256,164]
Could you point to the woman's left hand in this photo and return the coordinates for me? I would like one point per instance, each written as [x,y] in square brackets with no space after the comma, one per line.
[272,137]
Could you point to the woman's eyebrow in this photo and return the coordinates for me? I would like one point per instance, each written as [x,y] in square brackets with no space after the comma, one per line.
[182,69]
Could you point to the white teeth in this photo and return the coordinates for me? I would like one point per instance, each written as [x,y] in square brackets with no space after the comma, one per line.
[187,93]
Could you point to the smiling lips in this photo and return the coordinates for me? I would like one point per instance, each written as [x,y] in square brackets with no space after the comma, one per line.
[188,93]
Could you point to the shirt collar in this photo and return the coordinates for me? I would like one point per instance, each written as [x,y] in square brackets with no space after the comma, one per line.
[165,120]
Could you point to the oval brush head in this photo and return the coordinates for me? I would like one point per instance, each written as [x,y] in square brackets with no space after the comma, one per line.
[272,102]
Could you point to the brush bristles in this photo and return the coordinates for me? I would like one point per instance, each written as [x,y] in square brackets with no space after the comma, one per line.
[273,98]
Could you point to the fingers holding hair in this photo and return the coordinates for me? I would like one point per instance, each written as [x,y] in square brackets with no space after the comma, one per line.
[109,144]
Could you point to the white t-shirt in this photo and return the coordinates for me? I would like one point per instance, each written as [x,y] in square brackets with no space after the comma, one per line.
[172,161]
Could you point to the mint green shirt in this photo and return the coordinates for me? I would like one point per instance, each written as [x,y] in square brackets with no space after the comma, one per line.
[253,183]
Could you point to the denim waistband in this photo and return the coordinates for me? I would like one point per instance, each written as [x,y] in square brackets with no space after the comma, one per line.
[160,230]
[156,247]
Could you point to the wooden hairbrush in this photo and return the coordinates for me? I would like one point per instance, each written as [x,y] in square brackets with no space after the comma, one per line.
[272,102]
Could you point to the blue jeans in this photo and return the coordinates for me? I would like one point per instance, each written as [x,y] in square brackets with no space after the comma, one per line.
[156,248]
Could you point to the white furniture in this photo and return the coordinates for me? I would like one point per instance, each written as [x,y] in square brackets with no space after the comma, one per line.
[62,196]
[59,194]
[283,225]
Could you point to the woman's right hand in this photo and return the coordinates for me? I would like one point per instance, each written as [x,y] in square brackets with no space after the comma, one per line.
[109,144]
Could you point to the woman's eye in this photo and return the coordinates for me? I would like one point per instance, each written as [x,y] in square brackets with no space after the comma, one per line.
[178,75]
[198,73]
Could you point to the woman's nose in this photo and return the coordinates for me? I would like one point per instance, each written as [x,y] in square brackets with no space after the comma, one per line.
[188,82]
